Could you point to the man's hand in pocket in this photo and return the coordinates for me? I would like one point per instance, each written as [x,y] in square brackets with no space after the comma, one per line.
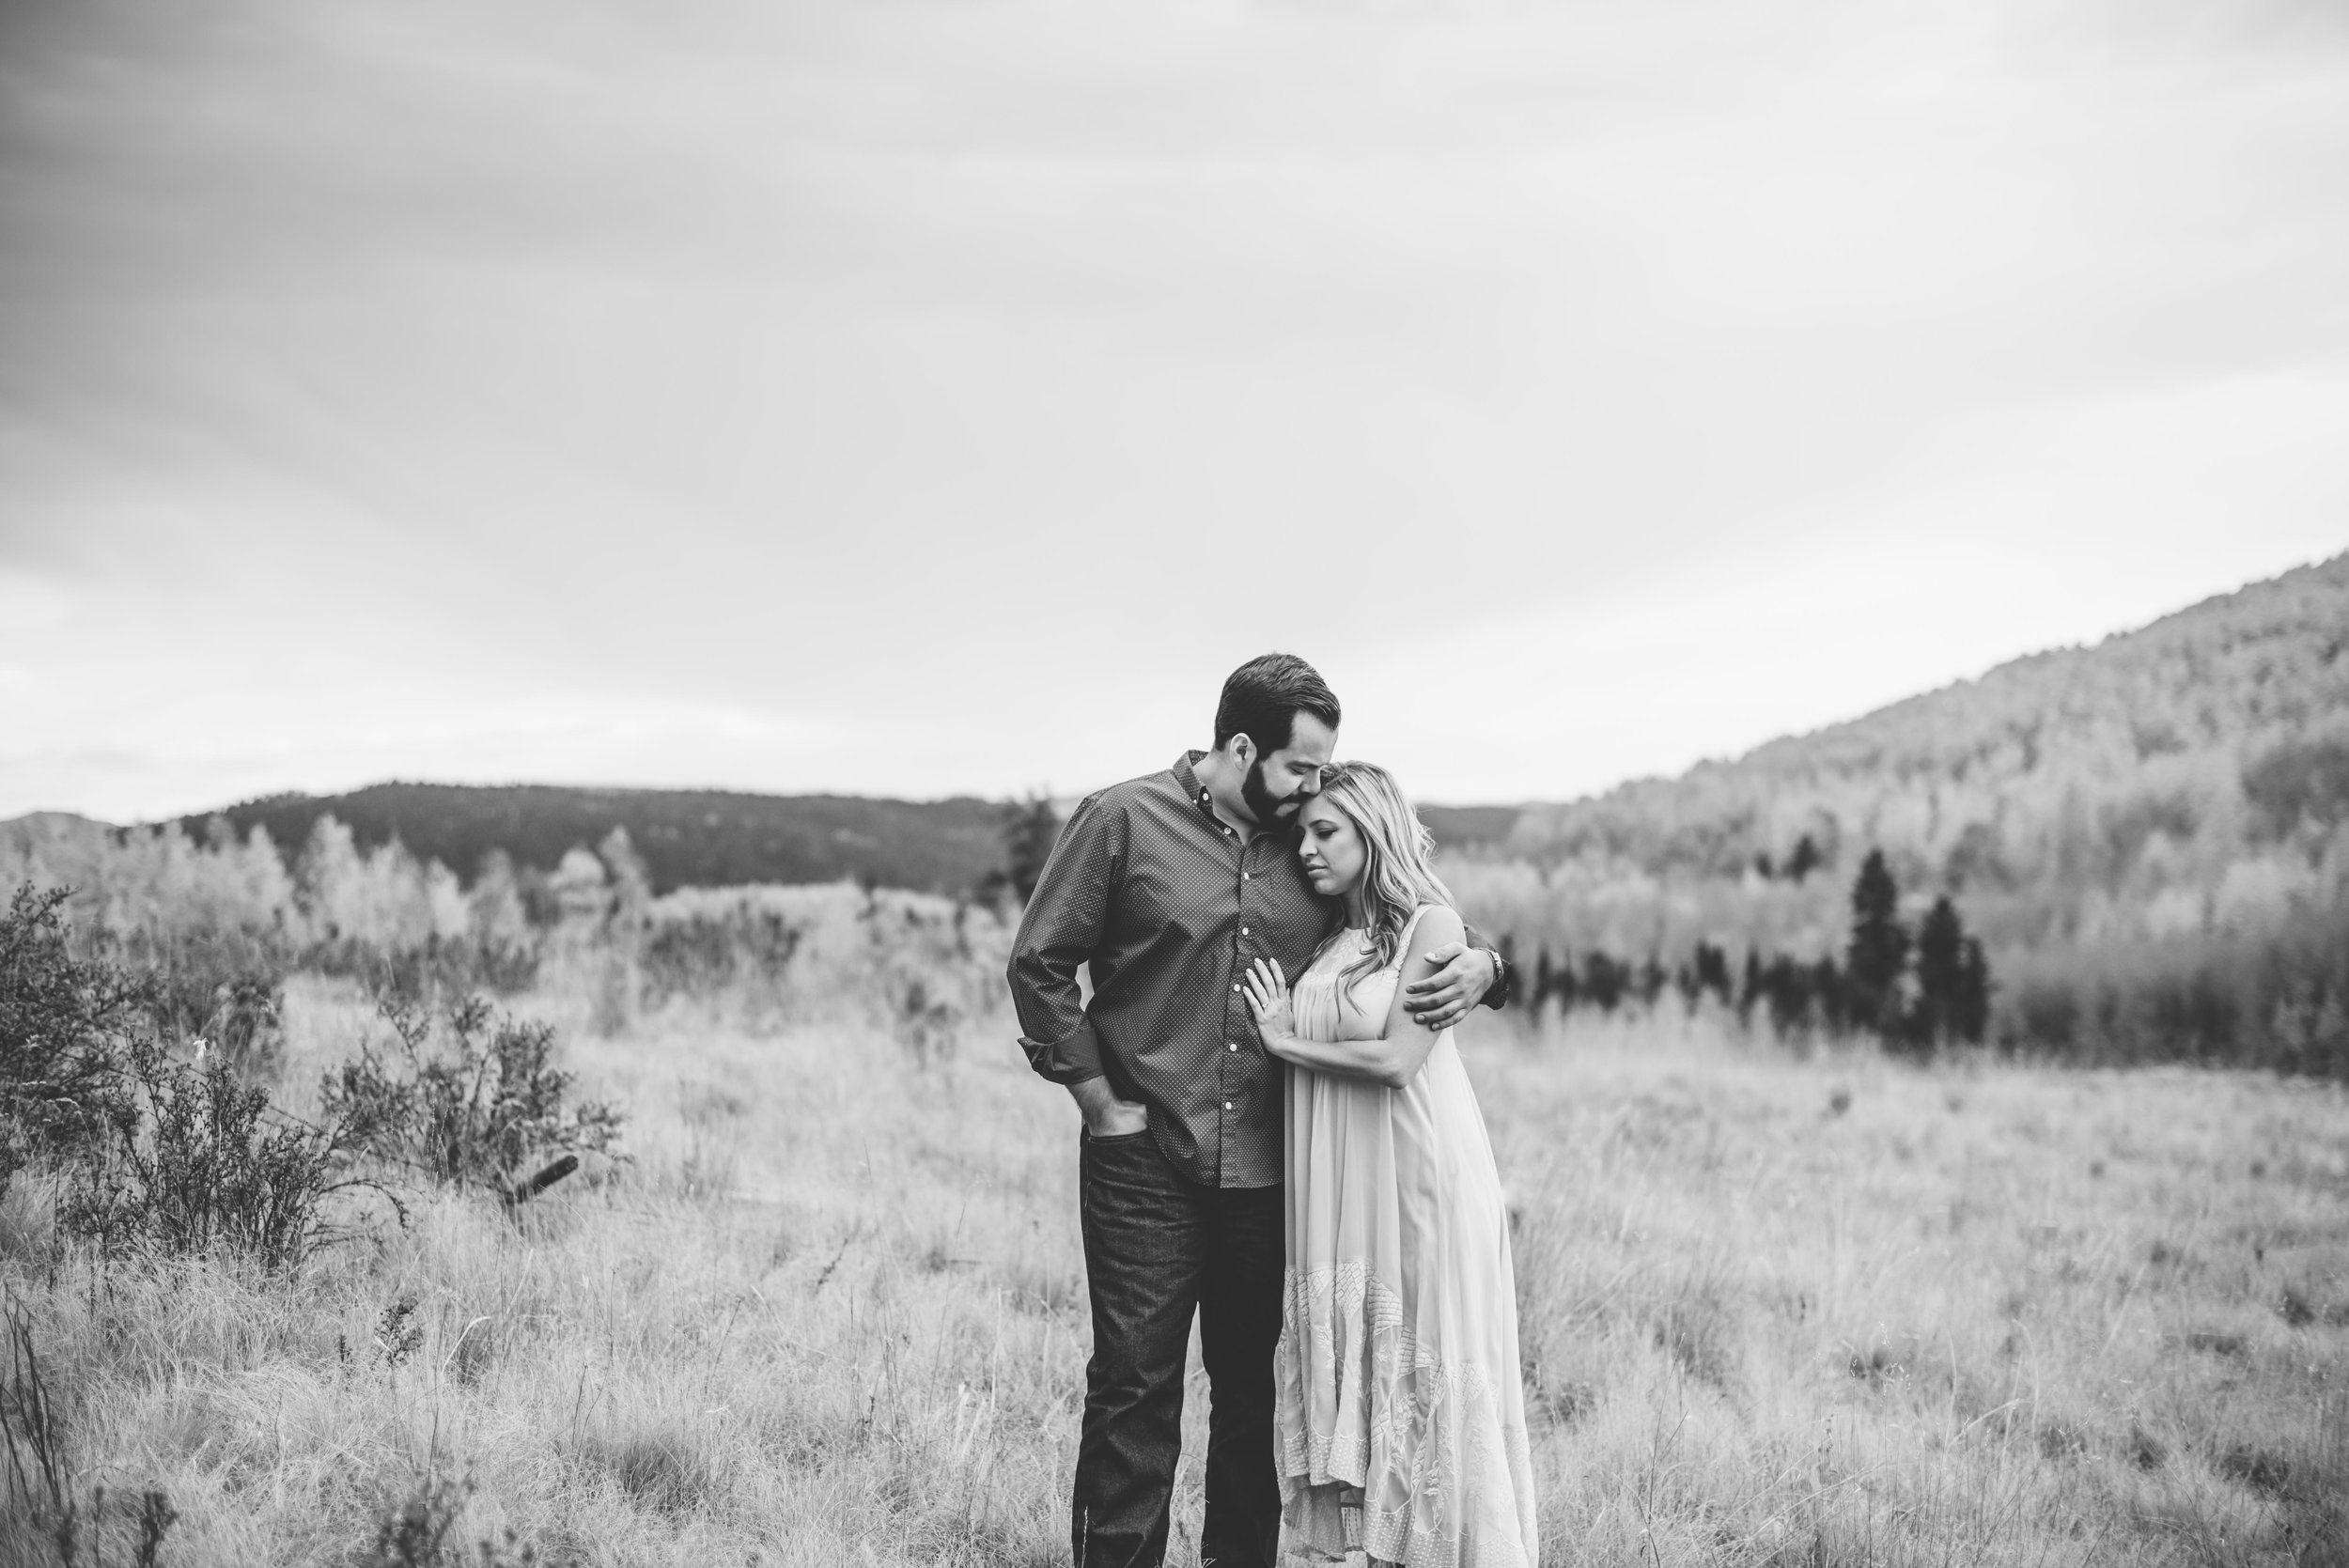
[1105,1114]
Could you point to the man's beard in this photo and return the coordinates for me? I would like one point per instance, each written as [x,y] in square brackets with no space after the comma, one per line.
[1267,812]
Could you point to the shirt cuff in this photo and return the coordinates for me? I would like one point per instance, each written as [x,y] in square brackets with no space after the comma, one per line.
[1498,997]
[1071,1059]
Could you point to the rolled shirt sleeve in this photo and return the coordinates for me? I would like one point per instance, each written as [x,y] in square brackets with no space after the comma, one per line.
[1060,930]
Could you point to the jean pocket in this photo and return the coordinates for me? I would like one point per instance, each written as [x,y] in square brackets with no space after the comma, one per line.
[1115,1139]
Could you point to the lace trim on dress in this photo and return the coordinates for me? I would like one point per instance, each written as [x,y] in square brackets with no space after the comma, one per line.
[1411,1485]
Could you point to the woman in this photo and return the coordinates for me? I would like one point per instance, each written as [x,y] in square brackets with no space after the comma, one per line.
[1401,1421]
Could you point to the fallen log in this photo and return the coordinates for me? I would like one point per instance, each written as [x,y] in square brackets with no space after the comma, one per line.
[515,1194]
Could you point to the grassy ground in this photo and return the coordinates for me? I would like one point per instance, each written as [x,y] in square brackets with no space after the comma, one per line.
[1834,1311]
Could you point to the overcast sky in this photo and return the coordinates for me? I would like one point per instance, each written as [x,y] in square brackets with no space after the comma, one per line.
[929,397]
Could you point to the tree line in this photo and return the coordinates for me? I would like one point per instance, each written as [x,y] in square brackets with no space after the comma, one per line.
[1915,989]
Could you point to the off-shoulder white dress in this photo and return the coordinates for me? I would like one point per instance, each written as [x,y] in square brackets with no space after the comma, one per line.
[1400,1414]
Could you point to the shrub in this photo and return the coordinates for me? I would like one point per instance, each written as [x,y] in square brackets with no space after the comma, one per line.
[420,1532]
[701,953]
[158,1154]
[194,1161]
[243,1028]
[2276,998]
[62,1022]
[423,973]
[465,1096]
[924,1019]
[222,988]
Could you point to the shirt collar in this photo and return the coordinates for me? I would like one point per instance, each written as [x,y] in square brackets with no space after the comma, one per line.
[1186,771]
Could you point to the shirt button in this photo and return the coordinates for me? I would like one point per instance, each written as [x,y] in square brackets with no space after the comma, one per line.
[1243,930]
[1236,988]
[1247,876]
[1227,1105]
[1230,1046]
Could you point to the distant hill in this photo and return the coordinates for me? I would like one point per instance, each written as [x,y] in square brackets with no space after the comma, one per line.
[1470,826]
[2228,720]
[688,838]
[58,826]
[2148,771]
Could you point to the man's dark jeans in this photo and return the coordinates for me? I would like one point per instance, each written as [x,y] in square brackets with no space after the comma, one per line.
[1156,1248]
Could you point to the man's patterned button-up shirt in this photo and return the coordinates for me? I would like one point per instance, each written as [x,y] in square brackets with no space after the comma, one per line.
[1170,905]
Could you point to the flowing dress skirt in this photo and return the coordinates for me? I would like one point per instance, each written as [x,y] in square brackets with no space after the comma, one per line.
[1400,1414]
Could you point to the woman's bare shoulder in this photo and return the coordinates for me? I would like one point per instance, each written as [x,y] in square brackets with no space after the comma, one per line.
[1437,924]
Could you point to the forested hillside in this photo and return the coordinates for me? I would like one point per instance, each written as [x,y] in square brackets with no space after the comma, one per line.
[687,838]
[2146,840]
[2208,751]
[2154,825]
[684,838]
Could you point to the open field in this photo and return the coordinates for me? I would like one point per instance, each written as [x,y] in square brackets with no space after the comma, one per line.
[1834,1311]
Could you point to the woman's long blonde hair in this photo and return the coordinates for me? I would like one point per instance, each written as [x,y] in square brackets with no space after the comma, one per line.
[1399,867]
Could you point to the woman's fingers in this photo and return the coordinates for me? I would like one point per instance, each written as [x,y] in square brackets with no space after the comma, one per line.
[1266,993]
[1258,998]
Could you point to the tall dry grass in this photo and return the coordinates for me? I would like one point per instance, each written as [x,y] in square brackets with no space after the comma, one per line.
[1775,1311]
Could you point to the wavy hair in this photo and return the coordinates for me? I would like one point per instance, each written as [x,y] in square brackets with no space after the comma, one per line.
[1399,864]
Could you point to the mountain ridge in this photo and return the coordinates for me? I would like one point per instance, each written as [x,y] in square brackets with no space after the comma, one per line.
[2180,712]
[696,837]
[2085,753]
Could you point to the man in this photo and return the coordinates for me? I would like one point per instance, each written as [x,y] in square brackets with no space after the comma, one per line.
[1168,885]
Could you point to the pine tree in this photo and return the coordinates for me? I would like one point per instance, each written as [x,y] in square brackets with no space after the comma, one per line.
[1605,978]
[1805,859]
[1878,951]
[1786,984]
[1970,1008]
[1940,973]
[1827,983]
[1030,828]
[1564,985]
[1713,972]
[1651,979]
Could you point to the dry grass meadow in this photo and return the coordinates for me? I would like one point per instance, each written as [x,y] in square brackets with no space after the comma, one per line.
[1825,1311]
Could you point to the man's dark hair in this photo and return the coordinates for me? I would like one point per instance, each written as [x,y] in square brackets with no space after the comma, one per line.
[1264,696]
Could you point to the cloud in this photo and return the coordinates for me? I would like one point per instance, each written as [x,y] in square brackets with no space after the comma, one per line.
[955,390]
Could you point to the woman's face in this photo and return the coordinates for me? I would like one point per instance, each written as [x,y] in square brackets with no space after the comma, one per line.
[1332,848]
